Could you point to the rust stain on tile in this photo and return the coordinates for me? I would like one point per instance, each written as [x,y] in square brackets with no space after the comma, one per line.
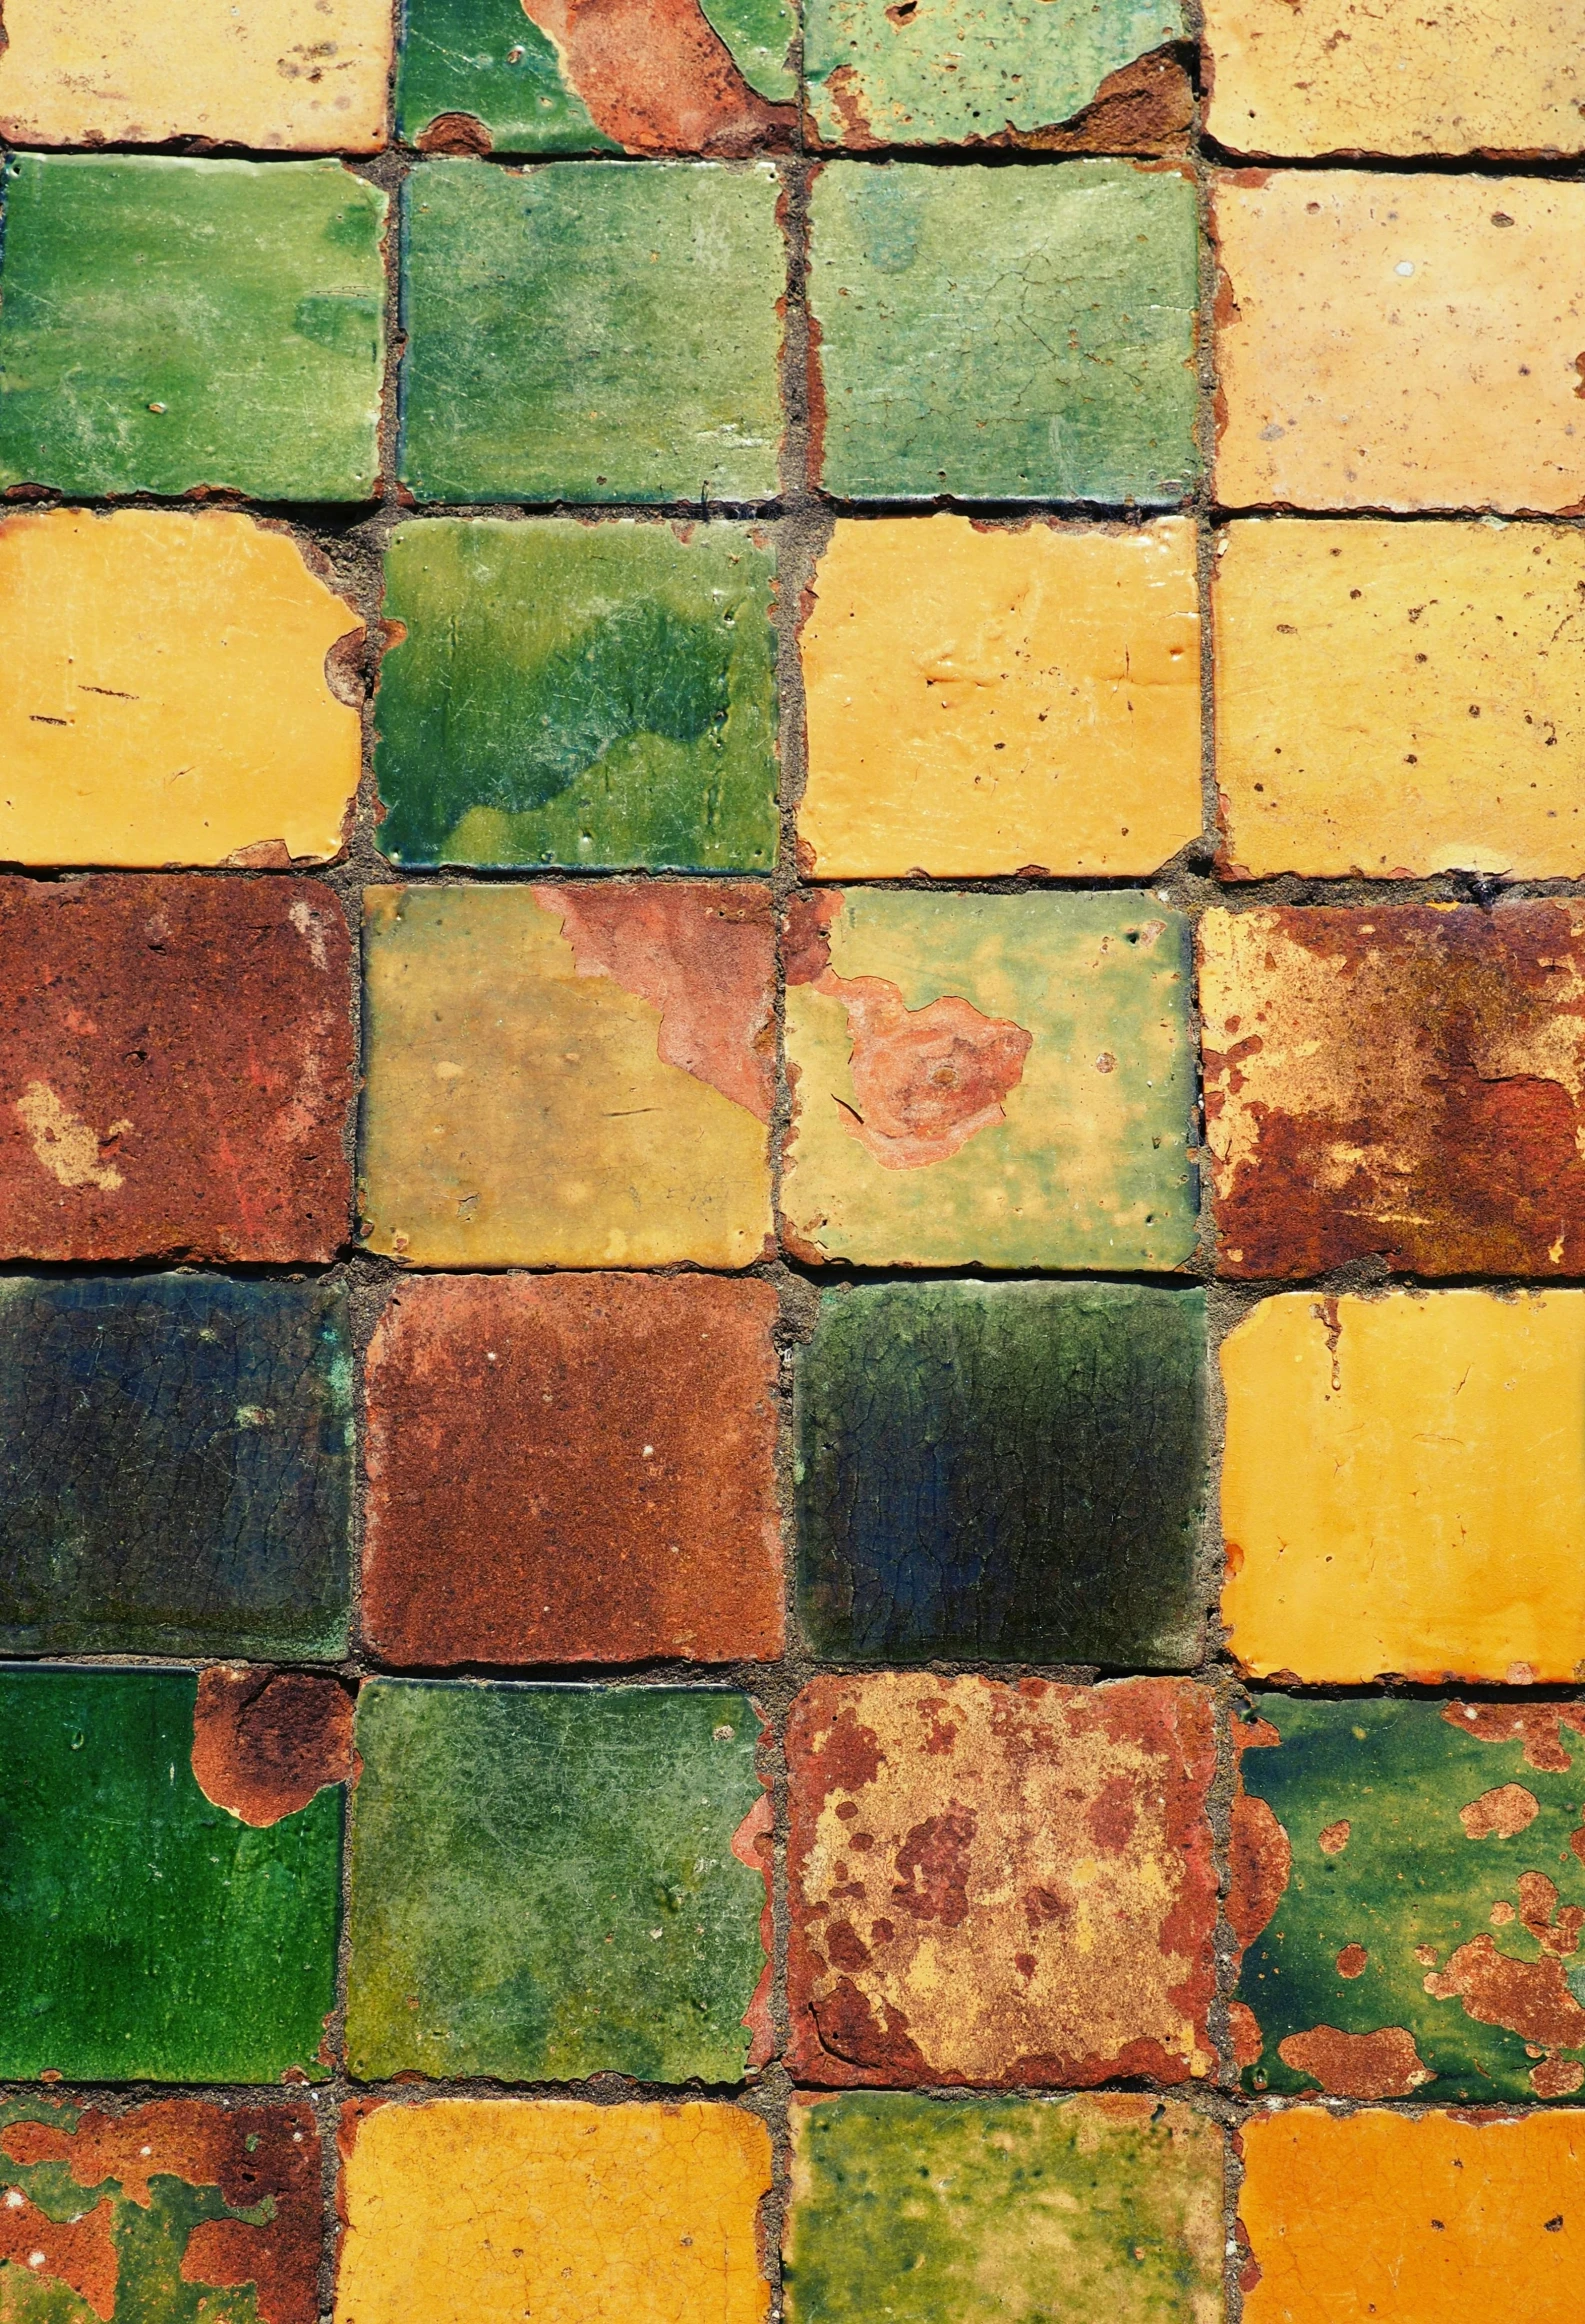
[1383,2064]
[657,77]
[265,1741]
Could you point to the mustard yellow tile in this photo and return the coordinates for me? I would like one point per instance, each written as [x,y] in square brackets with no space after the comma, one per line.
[985,700]
[1403,1487]
[1400,699]
[163,692]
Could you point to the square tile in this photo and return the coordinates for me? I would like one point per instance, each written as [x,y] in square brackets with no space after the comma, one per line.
[592,332]
[1010,1470]
[175,1466]
[1409,1890]
[171,1883]
[986,699]
[1010,334]
[573,1468]
[175,1069]
[569,1076]
[549,1882]
[566,693]
[1000,1884]
[1001,1079]
[169,324]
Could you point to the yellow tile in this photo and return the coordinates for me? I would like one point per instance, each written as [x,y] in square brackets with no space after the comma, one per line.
[163,696]
[1404,1487]
[985,700]
[467,2211]
[1401,699]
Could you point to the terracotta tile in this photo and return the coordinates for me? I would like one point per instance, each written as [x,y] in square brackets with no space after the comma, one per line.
[1409,1882]
[1404,1082]
[549,1882]
[591,332]
[1368,1487]
[599,1060]
[561,692]
[570,2213]
[1005,334]
[1004,1469]
[1002,1079]
[1452,383]
[905,2206]
[1393,700]
[936,645]
[147,642]
[1000,1884]
[573,1468]
[175,1069]
[171,324]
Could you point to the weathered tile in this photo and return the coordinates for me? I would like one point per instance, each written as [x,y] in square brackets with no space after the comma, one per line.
[549,1882]
[1004,1079]
[171,324]
[1452,383]
[1405,1082]
[1005,334]
[1394,699]
[573,1468]
[1000,1884]
[592,332]
[1409,1885]
[176,689]
[175,1069]
[934,645]
[599,1060]
[1368,1487]
[568,693]
[552,2208]
[175,1466]
[1013,1470]
[171,2213]
[171,1873]
[974,2212]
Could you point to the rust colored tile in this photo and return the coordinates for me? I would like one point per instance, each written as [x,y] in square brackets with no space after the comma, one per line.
[1000,1884]
[572,1468]
[175,1069]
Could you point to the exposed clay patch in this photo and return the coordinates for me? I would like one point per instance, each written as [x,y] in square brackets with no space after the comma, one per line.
[1144,107]
[1499,1813]
[1529,1998]
[1260,1859]
[461,134]
[1544,1729]
[78,2253]
[1335,1838]
[753,1844]
[657,78]
[1248,2041]
[264,1742]
[1384,2064]
[1352,1961]
[1556,2077]
[1556,1928]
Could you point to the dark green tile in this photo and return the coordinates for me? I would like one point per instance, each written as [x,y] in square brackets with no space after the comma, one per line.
[489,60]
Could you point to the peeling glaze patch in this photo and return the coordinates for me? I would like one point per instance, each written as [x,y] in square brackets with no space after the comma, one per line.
[1408,1082]
[265,1742]
[155,2215]
[1000,1884]
[1463,1883]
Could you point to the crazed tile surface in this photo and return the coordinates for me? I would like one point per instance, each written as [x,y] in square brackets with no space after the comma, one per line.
[995,1078]
[999,1884]
[591,332]
[599,1060]
[175,1466]
[1394,699]
[169,324]
[1409,1882]
[175,1069]
[1003,2207]
[1404,1081]
[564,693]
[556,2209]
[166,692]
[984,701]
[1003,1469]
[1399,342]
[1004,334]
[549,1882]
[573,1469]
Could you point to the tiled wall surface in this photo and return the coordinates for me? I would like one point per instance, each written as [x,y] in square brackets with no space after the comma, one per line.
[792,1093]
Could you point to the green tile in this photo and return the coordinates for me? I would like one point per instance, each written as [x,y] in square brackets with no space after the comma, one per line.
[489,60]
[544,1882]
[594,331]
[565,693]
[169,323]
[1006,334]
